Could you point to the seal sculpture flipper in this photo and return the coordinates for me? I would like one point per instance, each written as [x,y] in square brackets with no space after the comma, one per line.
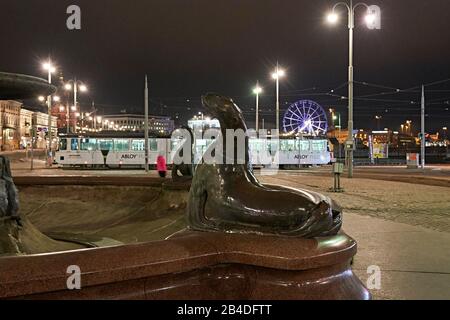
[229,197]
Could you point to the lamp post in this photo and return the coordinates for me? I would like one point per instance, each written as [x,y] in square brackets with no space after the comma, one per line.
[333,118]
[373,22]
[378,118]
[279,73]
[146,125]
[76,86]
[257,91]
[48,66]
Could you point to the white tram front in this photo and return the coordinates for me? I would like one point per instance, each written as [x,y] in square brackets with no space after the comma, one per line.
[113,150]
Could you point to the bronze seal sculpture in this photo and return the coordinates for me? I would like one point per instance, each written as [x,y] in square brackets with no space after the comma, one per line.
[9,196]
[229,198]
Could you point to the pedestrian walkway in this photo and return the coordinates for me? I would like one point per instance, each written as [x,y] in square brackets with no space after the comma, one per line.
[414,261]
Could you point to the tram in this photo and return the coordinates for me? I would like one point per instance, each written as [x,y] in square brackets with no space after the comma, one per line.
[127,150]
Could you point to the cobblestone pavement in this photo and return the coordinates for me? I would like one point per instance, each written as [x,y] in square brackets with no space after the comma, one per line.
[409,203]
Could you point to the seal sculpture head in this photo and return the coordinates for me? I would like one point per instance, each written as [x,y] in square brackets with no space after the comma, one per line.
[229,197]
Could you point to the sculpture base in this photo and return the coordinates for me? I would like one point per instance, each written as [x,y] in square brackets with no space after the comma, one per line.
[194,266]
[25,239]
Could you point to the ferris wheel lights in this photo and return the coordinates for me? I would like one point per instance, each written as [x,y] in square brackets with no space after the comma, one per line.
[306,117]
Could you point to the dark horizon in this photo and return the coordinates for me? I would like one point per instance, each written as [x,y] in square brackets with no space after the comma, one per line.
[192,47]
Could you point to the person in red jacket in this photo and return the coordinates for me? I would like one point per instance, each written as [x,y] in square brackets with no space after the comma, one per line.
[161,166]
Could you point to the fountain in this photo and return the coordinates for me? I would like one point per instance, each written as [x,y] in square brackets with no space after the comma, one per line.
[244,240]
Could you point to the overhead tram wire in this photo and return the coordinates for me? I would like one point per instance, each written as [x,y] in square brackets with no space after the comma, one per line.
[375,85]
[335,99]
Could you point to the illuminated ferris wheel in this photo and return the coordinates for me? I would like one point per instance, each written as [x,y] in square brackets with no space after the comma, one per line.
[307,117]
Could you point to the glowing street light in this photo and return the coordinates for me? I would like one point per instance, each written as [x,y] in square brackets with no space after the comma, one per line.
[257,91]
[373,21]
[332,18]
[370,18]
[47,66]
[279,73]
[378,119]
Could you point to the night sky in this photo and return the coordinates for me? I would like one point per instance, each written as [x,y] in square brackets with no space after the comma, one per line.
[190,47]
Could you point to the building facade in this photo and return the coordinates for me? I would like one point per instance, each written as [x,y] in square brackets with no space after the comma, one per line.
[40,128]
[17,125]
[133,122]
[9,125]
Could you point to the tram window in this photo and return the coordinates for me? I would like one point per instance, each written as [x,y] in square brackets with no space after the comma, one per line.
[254,145]
[88,144]
[153,145]
[304,145]
[74,145]
[175,143]
[138,145]
[105,145]
[121,145]
[319,146]
[273,147]
[63,145]
[288,145]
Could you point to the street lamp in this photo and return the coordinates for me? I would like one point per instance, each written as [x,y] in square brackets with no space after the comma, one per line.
[48,66]
[378,118]
[76,86]
[279,73]
[373,22]
[257,91]
[409,127]
[332,111]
